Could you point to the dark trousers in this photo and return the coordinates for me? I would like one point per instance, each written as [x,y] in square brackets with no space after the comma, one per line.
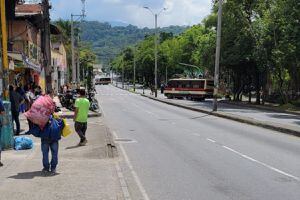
[0,142]
[53,146]
[15,118]
[81,128]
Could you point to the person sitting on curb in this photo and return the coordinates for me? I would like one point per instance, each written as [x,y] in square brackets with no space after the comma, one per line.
[82,106]
[1,112]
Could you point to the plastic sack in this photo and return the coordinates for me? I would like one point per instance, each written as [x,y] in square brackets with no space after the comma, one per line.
[23,143]
[66,130]
[41,110]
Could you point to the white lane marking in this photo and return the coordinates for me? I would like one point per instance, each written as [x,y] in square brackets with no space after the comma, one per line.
[211,140]
[263,164]
[173,123]
[147,111]
[123,183]
[134,174]
[196,134]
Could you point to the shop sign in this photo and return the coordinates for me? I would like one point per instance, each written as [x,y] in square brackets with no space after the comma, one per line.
[11,65]
[29,64]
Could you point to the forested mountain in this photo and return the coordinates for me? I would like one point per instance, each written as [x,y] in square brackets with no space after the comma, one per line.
[108,41]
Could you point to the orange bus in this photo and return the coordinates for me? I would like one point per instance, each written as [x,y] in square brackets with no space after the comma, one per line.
[102,81]
[190,88]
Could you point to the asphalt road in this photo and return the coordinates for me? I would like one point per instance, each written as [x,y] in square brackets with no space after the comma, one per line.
[177,154]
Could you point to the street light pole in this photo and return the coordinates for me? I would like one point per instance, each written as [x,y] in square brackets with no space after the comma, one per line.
[156,59]
[156,46]
[134,68]
[217,61]
[123,75]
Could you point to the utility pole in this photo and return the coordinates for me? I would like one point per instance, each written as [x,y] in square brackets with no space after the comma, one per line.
[75,69]
[134,68]
[78,62]
[73,51]
[166,75]
[46,45]
[217,61]
[4,69]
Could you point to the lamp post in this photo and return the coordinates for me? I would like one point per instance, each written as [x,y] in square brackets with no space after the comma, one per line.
[156,44]
[194,66]
[134,68]
[217,61]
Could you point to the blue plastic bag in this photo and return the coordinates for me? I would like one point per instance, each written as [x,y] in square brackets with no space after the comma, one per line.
[23,143]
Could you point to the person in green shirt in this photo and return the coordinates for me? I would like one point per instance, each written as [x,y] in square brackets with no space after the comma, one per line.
[82,106]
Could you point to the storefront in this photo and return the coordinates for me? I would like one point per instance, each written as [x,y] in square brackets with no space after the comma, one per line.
[22,71]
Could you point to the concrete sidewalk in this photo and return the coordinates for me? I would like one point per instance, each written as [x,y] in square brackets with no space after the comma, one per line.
[271,119]
[86,172]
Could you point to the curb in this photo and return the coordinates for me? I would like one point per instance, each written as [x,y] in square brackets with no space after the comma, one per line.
[112,151]
[70,116]
[234,118]
[261,108]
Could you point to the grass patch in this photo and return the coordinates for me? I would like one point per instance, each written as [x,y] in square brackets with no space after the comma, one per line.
[290,106]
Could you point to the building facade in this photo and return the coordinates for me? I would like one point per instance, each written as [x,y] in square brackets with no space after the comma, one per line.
[59,66]
[24,46]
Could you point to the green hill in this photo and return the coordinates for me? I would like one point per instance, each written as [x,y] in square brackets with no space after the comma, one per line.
[108,41]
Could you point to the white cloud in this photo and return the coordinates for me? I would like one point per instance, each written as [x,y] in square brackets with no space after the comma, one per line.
[180,12]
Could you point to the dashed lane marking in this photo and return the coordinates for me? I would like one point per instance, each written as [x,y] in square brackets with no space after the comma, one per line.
[263,164]
[211,140]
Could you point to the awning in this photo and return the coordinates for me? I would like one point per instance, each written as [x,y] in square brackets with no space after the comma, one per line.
[15,56]
[29,64]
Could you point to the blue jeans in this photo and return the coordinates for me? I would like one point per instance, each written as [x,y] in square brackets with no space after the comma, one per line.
[53,146]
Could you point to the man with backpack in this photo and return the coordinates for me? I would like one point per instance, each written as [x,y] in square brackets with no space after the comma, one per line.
[82,106]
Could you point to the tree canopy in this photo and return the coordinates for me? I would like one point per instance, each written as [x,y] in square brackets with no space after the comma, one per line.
[259,50]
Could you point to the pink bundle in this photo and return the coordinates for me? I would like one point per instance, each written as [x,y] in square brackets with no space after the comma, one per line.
[41,110]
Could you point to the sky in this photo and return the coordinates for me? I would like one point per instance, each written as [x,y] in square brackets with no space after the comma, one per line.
[179,12]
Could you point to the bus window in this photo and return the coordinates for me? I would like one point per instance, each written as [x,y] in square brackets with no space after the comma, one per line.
[195,84]
[202,84]
[210,84]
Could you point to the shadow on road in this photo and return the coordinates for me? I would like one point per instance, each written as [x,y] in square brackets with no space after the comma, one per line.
[27,175]
[282,116]
[73,147]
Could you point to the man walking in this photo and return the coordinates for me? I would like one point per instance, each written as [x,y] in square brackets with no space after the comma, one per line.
[82,106]
[16,100]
